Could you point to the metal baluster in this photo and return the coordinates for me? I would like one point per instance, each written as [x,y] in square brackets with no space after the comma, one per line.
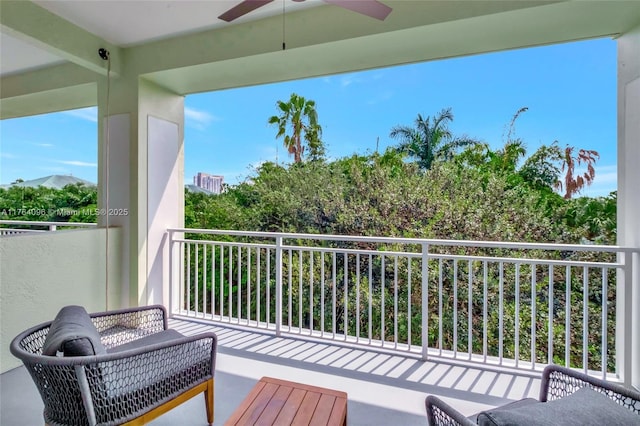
[470,309]
[300,291]
[239,285]
[358,297]
[440,305]
[484,312]
[188,279]
[550,333]
[516,349]
[567,319]
[382,310]
[334,296]
[500,312]
[605,299]
[370,298]
[585,318]
[455,308]
[346,296]
[322,279]
[395,302]
[409,261]
[534,299]
[311,256]
[249,286]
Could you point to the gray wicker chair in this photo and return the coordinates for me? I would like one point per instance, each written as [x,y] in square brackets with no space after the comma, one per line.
[129,384]
[557,383]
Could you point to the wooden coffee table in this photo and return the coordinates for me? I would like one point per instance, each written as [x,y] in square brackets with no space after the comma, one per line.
[279,402]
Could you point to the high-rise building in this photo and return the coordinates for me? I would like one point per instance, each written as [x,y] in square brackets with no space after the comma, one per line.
[212,183]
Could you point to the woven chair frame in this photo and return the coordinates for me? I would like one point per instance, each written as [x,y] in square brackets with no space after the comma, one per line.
[115,388]
[557,382]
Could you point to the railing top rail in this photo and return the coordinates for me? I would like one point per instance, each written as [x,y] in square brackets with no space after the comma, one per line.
[392,240]
[43,223]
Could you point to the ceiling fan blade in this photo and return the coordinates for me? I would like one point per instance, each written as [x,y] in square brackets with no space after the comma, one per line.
[242,9]
[372,8]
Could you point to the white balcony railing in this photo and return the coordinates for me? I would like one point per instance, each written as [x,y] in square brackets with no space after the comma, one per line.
[516,305]
[30,227]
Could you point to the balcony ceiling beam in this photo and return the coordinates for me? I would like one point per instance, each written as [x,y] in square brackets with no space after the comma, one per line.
[55,88]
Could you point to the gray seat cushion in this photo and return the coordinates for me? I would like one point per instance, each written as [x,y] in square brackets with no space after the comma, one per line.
[161,337]
[583,407]
[73,333]
[511,406]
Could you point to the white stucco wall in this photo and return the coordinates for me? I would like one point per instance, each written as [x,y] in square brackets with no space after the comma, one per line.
[40,273]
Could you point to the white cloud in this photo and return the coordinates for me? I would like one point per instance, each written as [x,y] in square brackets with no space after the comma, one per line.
[44,145]
[8,156]
[88,114]
[198,119]
[606,174]
[348,80]
[606,181]
[381,97]
[78,163]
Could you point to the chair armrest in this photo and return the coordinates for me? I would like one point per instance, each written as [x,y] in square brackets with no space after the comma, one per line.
[125,325]
[135,381]
[558,382]
[440,413]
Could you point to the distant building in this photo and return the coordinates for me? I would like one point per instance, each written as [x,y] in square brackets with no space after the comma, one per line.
[212,183]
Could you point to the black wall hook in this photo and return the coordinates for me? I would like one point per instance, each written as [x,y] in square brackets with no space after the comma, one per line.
[103,53]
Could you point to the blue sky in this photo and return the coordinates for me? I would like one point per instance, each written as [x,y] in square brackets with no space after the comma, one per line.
[570,90]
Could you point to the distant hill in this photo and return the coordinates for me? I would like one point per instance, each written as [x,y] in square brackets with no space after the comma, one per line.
[197,190]
[53,181]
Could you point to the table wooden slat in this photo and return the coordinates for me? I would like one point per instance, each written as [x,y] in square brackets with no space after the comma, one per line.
[272,410]
[323,410]
[258,405]
[339,412]
[307,408]
[290,409]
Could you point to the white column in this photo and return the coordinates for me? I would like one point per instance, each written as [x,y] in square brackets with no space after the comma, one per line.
[144,167]
[629,200]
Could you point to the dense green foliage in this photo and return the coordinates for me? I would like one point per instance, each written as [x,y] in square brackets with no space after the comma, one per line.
[383,195]
[73,203]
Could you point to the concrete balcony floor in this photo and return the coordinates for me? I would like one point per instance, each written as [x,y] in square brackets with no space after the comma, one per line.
[383,388]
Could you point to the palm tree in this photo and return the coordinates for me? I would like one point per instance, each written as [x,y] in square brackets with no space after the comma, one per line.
[429,140]
[573,184]
[301,114]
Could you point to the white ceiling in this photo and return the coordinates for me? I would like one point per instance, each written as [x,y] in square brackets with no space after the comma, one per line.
[127,23]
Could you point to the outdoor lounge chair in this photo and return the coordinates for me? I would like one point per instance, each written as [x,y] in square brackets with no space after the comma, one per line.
[566,397]
[118,367]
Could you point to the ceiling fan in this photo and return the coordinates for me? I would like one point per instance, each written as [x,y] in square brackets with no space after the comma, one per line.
[372,8]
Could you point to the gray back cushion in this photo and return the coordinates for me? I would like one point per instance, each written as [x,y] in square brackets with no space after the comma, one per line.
[72,332]
[583,407]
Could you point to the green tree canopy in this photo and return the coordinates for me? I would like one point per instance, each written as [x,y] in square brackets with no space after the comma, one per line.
[300,114]
[430,139]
